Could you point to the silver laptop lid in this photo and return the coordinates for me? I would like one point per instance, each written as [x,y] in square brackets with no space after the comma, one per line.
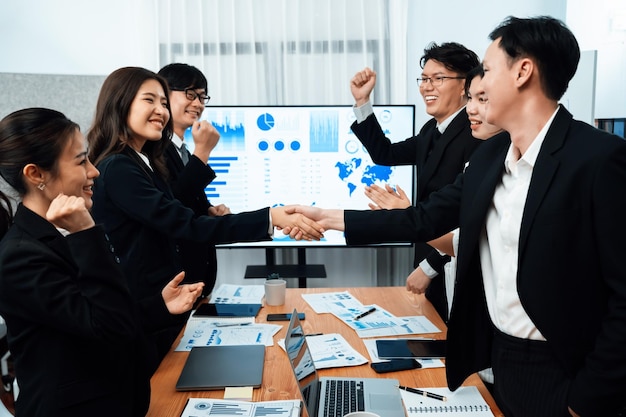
[302,364]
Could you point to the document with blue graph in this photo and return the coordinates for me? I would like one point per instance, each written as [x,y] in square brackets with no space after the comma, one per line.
[200,407]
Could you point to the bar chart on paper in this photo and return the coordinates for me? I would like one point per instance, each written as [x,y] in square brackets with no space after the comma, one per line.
[199,407]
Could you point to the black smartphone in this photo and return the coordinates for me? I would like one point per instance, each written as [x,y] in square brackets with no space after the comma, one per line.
[411,348]
[395,365]
[227,310]
[282,316]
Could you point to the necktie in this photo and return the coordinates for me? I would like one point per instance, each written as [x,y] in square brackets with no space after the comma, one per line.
[433,140]
[184,154]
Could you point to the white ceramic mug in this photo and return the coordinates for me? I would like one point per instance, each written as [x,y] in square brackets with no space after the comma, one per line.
[275,290]
[361,414]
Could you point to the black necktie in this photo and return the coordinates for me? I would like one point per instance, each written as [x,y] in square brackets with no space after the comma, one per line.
[433,139]
[184,154]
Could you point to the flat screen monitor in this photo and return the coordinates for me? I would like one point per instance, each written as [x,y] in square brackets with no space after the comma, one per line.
[280,155]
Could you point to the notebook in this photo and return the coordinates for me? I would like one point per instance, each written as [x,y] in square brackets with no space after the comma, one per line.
[336,397]
[218,367]
[464,402]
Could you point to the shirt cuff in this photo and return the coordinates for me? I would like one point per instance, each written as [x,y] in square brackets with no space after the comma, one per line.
[363,112]
[428,270]
[270,231]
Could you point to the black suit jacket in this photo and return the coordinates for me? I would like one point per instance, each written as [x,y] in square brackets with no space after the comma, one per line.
[71,323]
[144,222]
[188,182]
[571,270]
[437,165]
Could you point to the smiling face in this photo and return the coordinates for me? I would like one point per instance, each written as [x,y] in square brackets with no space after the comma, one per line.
[476,109]
[148,114]
[75,173]
[441,101]
[185,112]
[499,86]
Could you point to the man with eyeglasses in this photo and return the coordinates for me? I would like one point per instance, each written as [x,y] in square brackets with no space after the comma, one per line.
[439,151]
[190,174]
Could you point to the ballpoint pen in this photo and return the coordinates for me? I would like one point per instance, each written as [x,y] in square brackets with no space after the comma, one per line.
[365,313]
[424,393]
[230,324]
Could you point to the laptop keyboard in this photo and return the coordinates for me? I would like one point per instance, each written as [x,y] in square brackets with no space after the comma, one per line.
[343,397]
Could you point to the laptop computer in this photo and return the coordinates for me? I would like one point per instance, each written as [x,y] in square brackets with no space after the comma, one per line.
[218,367]
[336,397]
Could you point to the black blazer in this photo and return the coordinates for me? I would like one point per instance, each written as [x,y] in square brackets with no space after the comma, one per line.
[144,222]
[188,182]
[571,272]
[434,170]
[71,323]
[437,164]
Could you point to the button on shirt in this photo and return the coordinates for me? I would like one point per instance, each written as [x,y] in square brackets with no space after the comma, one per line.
[499,244]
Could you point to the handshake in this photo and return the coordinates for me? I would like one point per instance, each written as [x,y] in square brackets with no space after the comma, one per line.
[306,222]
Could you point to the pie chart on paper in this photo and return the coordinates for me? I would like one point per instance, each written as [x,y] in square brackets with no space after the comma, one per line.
[265,121]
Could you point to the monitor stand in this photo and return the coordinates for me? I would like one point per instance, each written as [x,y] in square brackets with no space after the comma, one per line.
[301,270]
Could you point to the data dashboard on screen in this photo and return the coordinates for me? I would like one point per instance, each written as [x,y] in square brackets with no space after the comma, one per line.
[281,155]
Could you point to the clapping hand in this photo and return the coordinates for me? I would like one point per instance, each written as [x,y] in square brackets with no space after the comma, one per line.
[387,198]
[181,298]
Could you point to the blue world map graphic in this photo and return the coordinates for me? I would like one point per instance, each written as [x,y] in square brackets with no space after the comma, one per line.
[352,172]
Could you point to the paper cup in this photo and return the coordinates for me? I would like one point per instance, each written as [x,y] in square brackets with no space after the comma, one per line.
[275,290]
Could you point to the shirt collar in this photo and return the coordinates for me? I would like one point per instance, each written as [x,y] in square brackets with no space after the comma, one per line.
[177,141]
[530,156]
[444,125]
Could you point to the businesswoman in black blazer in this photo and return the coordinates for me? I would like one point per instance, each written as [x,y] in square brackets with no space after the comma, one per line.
[72,325]
[131,130]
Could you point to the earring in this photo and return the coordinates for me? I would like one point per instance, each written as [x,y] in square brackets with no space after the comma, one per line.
[41,186]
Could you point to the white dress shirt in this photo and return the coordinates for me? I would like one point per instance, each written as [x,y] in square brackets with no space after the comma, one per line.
[499,243]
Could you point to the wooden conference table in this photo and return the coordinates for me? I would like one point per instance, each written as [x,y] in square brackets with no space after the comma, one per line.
[278,380]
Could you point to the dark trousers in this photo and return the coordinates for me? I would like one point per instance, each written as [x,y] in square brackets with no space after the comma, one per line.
[528,380]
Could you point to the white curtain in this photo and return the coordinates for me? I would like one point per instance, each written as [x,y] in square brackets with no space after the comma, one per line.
[288,52]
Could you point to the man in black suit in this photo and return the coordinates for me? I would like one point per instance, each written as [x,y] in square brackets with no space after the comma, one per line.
[189,174]
[541,279]
[439,151]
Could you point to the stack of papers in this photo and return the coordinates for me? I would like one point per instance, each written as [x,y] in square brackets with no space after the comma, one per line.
[238,294]
[216,331]
[331,351]
[368,321]
[198,407]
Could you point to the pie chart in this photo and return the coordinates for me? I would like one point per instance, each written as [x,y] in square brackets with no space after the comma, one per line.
[265,121]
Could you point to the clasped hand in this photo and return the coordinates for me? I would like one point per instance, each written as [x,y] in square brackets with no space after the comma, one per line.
[295,224]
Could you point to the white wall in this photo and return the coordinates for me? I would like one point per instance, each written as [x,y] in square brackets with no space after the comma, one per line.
[468,23]
[76,36]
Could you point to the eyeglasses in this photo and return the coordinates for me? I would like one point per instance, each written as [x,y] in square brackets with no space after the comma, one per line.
[192,95]
[436,81]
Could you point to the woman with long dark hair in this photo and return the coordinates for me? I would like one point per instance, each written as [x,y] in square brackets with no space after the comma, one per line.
[72,324]
[131,130]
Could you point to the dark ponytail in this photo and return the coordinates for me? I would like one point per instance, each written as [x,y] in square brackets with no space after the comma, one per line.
[30,136]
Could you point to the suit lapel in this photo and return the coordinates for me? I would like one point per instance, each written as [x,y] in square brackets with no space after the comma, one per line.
[174,156]
[43,231]
[429,163]
[543,172]
[480,196]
